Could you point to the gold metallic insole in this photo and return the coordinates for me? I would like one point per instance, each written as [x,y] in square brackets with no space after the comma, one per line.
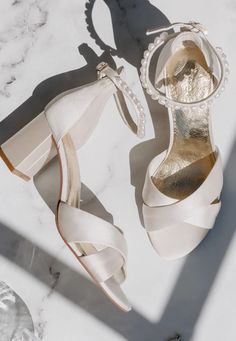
[191,157]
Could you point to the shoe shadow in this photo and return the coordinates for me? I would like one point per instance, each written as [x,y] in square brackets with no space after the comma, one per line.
[130,21]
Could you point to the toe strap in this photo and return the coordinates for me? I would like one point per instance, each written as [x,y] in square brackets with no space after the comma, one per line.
[157,218]
[109,252]
[199,209]
[103,264]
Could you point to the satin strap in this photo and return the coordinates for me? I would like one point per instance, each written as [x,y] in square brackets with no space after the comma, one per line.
[198,209]
[80,227]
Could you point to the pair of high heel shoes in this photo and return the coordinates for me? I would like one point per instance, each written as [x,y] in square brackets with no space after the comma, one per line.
[181,195]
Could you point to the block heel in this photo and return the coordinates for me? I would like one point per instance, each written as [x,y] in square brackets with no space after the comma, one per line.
[26,152]
[32,147]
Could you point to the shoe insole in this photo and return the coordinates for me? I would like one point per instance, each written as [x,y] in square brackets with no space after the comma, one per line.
[191,156]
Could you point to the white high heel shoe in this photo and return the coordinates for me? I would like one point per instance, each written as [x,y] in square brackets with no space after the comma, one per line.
[70,118]
[182,188]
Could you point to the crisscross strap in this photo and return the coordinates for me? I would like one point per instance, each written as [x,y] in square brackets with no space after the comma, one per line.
[109,251]
[199,209]
[157,218]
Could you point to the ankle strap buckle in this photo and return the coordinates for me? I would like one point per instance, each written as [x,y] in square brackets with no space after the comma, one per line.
[101,69]
[124,91]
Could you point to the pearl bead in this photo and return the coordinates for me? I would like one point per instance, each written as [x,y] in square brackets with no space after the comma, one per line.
[146,54]
[143,78]
[151,47]
[164,35]
[143,62]
[142,116]
[141,122]
[142,69]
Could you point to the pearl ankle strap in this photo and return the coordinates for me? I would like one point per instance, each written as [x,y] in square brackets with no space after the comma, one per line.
[104,70]
[158,43]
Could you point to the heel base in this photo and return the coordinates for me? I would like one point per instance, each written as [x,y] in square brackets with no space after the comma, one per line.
[30,149]
[11,167]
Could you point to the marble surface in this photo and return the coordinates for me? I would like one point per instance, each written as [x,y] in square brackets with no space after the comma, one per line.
[46,47]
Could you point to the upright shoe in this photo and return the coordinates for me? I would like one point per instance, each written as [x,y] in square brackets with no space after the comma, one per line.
[70,118]
[182,188]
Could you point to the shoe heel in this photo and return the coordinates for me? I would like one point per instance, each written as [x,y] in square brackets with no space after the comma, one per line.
[32,147]
[26,152]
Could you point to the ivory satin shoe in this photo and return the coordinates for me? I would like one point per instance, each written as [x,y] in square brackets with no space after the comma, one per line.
[68,121]
[181,194]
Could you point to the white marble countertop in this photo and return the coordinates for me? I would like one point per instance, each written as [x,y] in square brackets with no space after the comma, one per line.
[46,47]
